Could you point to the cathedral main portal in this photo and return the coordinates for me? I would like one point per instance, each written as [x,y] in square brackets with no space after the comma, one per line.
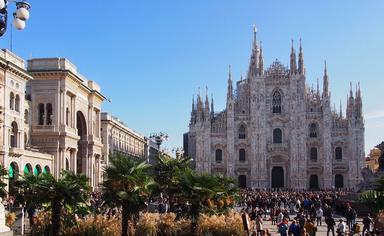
[277,177]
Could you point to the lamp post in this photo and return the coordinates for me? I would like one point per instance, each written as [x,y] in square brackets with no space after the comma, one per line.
[159,138]
[178,152]
[20,16]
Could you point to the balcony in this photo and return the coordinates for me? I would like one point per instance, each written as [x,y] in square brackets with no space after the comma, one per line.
[15,152]
[43,128]
[277,147]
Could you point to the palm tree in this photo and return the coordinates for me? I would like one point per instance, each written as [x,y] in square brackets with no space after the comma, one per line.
[3,175]
[207,193]
[374,199]
[127,184]
[167,172]
[69,190]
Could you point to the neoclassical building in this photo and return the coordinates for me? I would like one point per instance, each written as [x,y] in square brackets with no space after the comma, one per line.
[276,132]
[119,138]
[65,116]
[16,152]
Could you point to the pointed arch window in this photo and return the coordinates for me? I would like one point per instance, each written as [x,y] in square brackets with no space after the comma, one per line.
[313,154]
[313,130]
[242,156]
[242,132]
[277,136]
[218,155]
[338,153]
[276,102]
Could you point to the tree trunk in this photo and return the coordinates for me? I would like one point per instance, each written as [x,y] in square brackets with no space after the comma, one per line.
[56,216]
[124,219]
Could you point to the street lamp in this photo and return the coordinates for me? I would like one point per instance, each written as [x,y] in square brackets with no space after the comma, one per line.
[19,17]
[159,138]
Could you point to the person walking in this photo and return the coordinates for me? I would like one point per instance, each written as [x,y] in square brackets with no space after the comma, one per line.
[294,229]
[319,215]
[282,228]
[245,218]
[367,221]
[259,225]
[330,225]
[341,228]
[310,227]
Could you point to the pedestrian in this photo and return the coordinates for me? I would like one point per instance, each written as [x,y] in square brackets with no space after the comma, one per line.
[330,225]
[259,225]
[294,229]
[319,215]
[341,228]
[310,227]
[282,228]
[367,221]
[245,218]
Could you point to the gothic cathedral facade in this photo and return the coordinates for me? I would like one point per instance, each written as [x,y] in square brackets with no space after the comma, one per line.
[278,133]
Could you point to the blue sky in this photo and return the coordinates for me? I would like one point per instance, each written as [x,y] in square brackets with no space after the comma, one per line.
[150,56]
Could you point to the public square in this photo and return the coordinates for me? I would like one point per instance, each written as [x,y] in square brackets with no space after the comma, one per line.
[177,118]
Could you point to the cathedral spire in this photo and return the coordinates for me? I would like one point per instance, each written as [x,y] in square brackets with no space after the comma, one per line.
[341,110]
[317,88]
[193,102]
[253,64]
[350,90]
[301,69]
[212,107]
[325,81]
[261,60]
[293,67]
[229,88]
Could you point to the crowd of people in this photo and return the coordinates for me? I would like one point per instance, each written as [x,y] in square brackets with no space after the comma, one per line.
[299,213]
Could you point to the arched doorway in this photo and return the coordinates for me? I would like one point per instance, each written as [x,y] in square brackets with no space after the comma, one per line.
[242,179]
[27,169]
[37,170]
[46,170]
[339,181]
[81,158]
[313,182]
[277,177]
[13,176]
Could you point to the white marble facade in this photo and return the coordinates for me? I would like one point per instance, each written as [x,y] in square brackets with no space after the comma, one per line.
[278,133]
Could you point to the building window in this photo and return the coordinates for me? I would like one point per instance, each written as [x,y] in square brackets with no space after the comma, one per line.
[242,155]
[49,114]
[277,136]
[219,155]
[26,116]
[339,181]
[313,130]
[14,133]
[242,132]
[41,114]
[313,154]
[338,153]
[17,103]
[276,102]
[12,101]
[67,116]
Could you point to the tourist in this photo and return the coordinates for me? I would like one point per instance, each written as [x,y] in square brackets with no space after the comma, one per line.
[244,217]
[367,221]
[319,215]
[330,225]
[341,228]
[283,227]
[259,225]
[294,229]
[310,227]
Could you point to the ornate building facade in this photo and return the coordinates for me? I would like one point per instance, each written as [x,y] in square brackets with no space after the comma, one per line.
[16,151]
[276,132]
[51,120]
[118,138]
